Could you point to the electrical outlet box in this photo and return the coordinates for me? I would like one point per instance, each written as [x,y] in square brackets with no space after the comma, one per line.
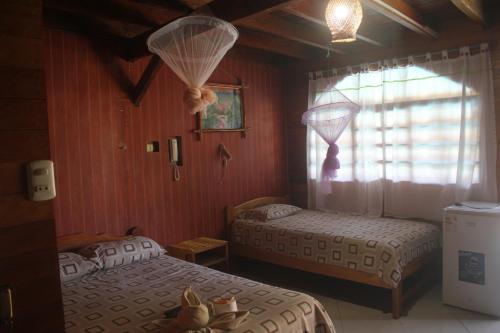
[41,182]
[153,147]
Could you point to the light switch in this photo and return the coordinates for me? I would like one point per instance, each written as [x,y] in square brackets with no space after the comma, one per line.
[153,147]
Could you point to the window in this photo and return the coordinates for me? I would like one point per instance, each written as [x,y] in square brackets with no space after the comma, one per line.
[411,128]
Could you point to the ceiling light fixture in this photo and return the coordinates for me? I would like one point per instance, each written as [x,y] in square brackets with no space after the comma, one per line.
[343,18]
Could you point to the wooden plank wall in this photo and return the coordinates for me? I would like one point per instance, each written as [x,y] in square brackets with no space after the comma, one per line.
[453,34]
[105,189]
[28,261]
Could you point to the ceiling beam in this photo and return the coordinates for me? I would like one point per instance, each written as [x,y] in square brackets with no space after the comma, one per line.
[124,11]
[146,79]
[281,27]
[270,43]
[193,4]
[402,13]
[157,11]
[247,37]
[58,19]
[235,10]
[172,4]
[82,16]
[314,11]
[472,8]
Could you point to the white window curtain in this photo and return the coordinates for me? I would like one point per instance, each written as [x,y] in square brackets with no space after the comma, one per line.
[424,139]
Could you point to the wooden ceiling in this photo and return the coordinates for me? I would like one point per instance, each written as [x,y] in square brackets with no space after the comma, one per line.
[294,28]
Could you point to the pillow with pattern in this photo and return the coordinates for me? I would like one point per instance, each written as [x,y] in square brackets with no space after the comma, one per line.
[269,212]
[122,252]
[73,266]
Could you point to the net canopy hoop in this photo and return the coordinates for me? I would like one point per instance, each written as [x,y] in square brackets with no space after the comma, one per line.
[192,47]
[329,120]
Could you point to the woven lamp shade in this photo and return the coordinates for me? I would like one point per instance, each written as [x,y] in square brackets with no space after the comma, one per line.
[343,17]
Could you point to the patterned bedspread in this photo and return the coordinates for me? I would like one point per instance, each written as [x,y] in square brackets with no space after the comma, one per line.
[128,298]
[379,246]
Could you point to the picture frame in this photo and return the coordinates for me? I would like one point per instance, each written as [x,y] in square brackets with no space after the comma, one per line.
[225,115]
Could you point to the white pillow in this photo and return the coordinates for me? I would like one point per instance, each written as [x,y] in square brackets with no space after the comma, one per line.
[269,212]
[122,252]
[73,266]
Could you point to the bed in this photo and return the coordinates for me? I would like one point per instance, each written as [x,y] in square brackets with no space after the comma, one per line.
[127,298]
[381,252]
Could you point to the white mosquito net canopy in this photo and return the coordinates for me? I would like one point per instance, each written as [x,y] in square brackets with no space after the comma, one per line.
[192,47]
[329,116]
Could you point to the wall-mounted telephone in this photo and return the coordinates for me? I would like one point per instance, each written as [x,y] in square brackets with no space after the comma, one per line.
[41,183]
[6,310]
[175,155]
[173,150]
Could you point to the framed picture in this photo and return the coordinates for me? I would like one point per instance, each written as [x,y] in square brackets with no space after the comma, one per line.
[225,115]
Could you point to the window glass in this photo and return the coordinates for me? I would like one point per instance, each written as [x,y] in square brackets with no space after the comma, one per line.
[408,129]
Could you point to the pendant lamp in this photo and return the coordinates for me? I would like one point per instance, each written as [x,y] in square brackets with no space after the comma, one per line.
[343,18]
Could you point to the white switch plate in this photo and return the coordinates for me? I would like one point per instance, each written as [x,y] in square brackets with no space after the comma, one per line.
[41,184]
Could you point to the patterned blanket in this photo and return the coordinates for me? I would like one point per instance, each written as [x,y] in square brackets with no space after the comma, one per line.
[128,298]
[379,246]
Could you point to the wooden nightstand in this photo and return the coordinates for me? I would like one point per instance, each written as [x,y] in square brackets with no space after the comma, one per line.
[203,251]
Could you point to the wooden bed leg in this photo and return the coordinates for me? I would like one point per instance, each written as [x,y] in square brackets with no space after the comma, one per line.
[397,300]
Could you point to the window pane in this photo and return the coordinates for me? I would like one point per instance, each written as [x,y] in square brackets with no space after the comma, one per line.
[410,128]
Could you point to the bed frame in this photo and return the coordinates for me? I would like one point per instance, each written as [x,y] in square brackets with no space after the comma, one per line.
[78,240]
[399,295]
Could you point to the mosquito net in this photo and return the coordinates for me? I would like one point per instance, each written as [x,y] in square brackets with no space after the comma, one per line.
[192,47]
[329,121]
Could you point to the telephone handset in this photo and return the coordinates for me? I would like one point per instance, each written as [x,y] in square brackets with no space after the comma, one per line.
[174,150]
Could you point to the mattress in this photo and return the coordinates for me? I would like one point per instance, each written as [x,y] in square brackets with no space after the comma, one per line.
[128,298]
[380,246]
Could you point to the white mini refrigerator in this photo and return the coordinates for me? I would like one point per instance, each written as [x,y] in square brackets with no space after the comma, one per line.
[471,257]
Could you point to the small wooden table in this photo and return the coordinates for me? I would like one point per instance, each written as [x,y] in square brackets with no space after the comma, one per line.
[203,251]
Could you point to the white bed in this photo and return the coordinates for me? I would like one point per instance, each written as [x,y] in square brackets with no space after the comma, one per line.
[128,298]
[379,246]
[381,252]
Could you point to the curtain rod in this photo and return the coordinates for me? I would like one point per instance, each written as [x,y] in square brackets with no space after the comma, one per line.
[491,45]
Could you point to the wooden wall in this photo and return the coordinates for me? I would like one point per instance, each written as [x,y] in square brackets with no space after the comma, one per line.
[104,189]
[453,34]
[28,261]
